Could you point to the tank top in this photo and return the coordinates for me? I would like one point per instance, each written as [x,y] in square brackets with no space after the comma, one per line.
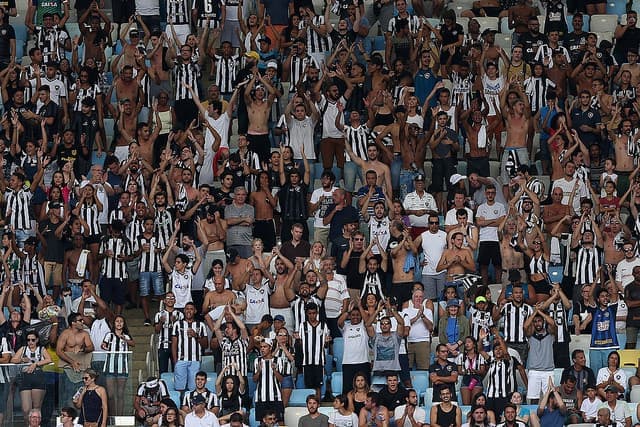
[165,120]
[91,410]
[447,418]
[538,265]
[383,119]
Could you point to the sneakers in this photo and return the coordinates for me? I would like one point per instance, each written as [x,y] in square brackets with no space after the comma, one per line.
[147,322]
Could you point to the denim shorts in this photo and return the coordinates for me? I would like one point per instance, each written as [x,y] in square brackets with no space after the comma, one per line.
[148,279]
[287,382]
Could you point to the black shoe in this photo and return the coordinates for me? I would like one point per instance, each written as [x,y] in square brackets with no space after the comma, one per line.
[327,397]
[147,322]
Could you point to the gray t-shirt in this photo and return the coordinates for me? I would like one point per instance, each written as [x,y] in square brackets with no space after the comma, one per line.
[386,350]
[239,234]
[320,421]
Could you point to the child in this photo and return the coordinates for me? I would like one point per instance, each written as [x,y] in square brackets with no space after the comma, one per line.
[589,407]
[608,175]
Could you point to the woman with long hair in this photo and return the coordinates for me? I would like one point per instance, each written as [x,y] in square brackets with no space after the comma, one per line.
[116,367]
[343,416]
[56,195]
[358,395]
[611,375]
[92,401]
[285,353]
[315,256]
[230,390]
[450,293]
[172,418]
[370,306]
[32,380]
[480,399]
[473,368]
[522,413]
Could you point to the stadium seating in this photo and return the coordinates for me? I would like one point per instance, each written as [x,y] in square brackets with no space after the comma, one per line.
[504,41]
[167,377]
[488,22]
[299,396]
[603,23]
[336,383]
[338,352]
[629,357]
[420,381]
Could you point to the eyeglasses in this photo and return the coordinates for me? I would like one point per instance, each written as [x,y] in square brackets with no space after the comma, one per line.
[434,223]
[86,378]
[358,239]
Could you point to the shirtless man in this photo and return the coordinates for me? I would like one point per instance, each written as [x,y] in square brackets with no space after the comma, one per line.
[469,231]
[158,71]
[556,212]
[372,163]
[94,37]
[127,57]
[259,110]
[478,142]
[414,149]
[632,67]
[73,341]
[560,74]
[219,296]
[620,132]
[146,138]
[401,245]
[280,299]
[264,203]
[612,235]
[70,266]
[511,258]
[127,88]
[126,124]
[238,268]
[456,260]
[213,231]
[517,119]
[586,71]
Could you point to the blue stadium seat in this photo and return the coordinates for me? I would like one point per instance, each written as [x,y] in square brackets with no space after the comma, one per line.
[420,381]
[252,418]
[167,377]
[378,43]
[299,396]
[207,364]
[21,31]
[338,352]
[336,383]
[175,396]
[616,7]
[428,397]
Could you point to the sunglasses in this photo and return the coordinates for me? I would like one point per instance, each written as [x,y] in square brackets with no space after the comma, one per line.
[32,339]
[434,223]
[86,378]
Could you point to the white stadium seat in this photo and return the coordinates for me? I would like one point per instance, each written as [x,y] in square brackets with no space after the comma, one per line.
[603,23]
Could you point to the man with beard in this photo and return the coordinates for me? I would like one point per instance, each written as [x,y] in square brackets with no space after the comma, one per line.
[477,138]
[356,348]
[279,300]
[233,343]
[510,412]
[540,361]
[307,293]
[293,201]
[163,215]
[532,40]
[126,87]
[383,173]
[321,201]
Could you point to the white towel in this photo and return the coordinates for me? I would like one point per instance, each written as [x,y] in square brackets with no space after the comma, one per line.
[482,137]
[555,257]
[82,262]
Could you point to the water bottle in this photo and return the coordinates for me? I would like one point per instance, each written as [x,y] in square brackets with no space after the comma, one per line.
[473,383]
[78,393]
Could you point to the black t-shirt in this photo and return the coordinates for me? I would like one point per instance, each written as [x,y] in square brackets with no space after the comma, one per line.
[450,36]
[219,194]
[7,33]
[55,247]
[87,125]
[574,42]
[444,371]
[354,278]
[629,40]
[531,44]
[392,400]
[16,338]
[48,110]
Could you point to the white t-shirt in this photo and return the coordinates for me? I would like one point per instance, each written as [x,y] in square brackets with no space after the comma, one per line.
[321,212]
[329,129]
[619,376]
[433,246]
[420,415]
[450,218]
[301,135]
[356,343]
[590,408]
[379,228]
[567,189]
[209,420]
[418,331]
[339,420]
[414,202]
[624,271]
[336,293]
[57,89]
[181,287]
[489,234]
[257,302]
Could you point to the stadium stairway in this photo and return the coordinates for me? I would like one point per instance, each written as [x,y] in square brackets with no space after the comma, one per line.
[140,334]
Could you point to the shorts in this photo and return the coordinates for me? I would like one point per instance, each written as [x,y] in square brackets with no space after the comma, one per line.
[402,292]
[133,270]
[466,379]
[541,287]
[33,381]
[287,382]
[113,290]
[512,158]
[479,165]
[261,145]
[442,168]
[434,285]
[148,279]
[489,253]
[313,376]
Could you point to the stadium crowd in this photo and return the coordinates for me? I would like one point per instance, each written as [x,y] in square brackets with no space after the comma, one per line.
[301,185]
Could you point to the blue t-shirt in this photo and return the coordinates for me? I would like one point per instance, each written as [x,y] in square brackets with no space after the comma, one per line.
[553,418]
[278,10]
[424,81]
[543,115]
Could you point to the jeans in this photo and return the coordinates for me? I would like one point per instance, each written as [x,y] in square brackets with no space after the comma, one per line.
[164,360]
[185,374]
[406,182]
[598,359]
[351,170]
[396,165]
